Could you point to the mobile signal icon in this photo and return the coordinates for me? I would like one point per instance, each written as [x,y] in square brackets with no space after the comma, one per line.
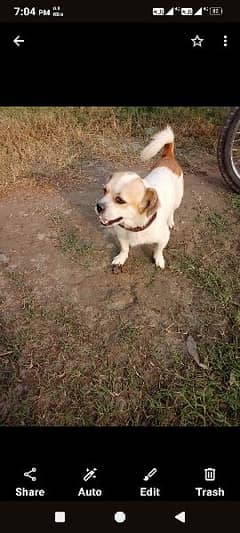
[199,12]
[171,11]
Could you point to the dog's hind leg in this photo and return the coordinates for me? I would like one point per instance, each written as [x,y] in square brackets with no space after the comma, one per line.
[158,252]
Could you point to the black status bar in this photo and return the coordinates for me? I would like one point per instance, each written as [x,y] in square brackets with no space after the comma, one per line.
[108,11]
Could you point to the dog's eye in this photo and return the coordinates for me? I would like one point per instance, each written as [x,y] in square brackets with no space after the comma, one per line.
[104,190]
[119,200]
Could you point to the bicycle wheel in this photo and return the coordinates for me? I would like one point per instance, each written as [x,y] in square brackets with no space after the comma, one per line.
[228,150]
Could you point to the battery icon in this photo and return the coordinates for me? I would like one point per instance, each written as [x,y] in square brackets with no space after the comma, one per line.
[215,10]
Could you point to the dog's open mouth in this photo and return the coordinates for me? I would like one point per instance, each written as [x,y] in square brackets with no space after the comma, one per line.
[109,222]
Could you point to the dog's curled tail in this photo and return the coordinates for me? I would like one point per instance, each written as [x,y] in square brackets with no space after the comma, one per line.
[164,138]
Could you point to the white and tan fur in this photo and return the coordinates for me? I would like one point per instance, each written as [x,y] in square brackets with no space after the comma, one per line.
[132,201]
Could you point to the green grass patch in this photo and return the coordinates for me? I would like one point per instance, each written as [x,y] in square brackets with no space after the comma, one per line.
[71,244]
[210,279]
[234,200]
[218,222]
[127,332]
[199,398]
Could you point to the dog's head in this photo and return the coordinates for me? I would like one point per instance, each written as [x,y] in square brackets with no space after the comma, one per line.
[126,200]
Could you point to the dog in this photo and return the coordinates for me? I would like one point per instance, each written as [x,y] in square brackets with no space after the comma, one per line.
[142,210]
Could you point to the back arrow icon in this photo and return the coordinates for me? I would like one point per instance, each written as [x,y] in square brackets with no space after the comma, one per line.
[181,517]
[17,40]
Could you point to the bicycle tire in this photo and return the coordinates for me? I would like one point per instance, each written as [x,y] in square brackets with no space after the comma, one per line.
[224,145]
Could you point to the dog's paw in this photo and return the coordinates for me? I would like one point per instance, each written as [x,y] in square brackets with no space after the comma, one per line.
[120,259]
[159,261]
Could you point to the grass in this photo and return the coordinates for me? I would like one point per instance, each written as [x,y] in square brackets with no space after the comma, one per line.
[214,281]
[218,222]
[192,397]
[66,358]
[126,331]
[234,200]
[68,238]
[70,244]
[48,144]
[9,344]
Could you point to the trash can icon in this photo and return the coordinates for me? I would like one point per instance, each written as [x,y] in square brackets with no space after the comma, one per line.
[210,474]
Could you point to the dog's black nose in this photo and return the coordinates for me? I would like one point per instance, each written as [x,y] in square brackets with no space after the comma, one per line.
[100,208]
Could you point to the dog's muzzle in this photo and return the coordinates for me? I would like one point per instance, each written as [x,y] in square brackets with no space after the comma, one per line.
[109,222]
[100,208]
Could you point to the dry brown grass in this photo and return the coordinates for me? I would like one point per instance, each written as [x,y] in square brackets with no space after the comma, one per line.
[41,142]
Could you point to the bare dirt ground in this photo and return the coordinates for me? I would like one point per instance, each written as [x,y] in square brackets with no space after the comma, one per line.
[82,345]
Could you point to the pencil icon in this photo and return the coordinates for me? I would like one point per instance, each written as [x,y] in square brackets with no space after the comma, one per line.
[150,474]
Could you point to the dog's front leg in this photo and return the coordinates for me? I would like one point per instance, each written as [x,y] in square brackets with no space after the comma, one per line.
[123,255]
[158,256]
[171,224]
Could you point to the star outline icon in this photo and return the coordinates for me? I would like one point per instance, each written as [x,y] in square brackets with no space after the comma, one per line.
[197,41]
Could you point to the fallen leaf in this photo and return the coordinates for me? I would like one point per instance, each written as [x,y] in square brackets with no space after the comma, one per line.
[192,350]
[233,379]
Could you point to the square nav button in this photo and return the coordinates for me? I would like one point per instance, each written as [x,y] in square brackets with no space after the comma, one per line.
[60,517]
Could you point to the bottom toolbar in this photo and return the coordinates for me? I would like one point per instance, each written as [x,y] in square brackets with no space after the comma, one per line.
[119,464]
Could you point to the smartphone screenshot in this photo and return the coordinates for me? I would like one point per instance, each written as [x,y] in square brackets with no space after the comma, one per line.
[119,267]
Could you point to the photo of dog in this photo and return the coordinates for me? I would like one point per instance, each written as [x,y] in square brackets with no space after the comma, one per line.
[79,345]
[142,210]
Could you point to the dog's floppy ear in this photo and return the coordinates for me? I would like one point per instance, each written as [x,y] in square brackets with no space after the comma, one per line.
[150,202]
